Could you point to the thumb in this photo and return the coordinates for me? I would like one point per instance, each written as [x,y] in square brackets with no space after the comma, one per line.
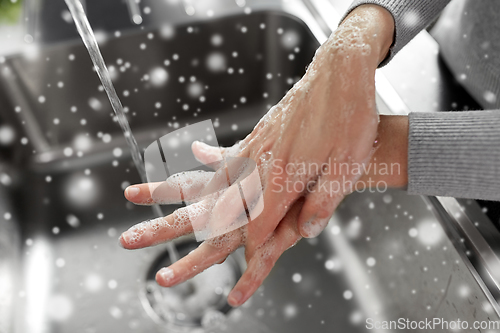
[208,155]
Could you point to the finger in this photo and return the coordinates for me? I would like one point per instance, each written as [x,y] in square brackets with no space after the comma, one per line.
[160,230]
[205,256]
[171,191]
[190,186]
[264,259]
[234,169]
[241,195]
[321,201]
[251,190]
[279,197]
[182,187]
[219,182]
[334,183]
[208,155]
[141,194]
[314,227]
[228,203]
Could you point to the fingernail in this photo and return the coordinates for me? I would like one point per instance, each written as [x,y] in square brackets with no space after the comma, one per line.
[132,191]
[312,228]
[234,298]
[221,262]
[201,146]
[305,229]
[129,237]
[167,275]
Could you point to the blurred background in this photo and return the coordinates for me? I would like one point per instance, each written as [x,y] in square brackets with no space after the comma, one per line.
[64,165]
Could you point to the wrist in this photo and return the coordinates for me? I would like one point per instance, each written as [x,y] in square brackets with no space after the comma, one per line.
[374,25]
[389,164]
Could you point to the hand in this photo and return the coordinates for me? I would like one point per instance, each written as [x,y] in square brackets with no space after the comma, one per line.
[327,118]
[212,251]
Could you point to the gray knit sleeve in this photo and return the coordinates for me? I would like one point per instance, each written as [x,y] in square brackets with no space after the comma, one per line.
[410,17]
[455,154]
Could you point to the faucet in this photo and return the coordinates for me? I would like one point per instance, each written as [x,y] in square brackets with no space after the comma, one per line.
[135,11]
[31,11]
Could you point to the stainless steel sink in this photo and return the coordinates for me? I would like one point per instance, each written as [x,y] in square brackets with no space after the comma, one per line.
[384,255]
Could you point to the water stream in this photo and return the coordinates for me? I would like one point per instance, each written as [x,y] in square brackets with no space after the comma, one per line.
[87,34]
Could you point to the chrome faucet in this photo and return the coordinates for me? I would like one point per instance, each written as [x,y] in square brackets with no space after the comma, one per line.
[31,11]
[135,11]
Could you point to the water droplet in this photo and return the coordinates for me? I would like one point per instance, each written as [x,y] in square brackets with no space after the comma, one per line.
[59,308]
[387,198]
[371,262]
[216,62]
[429,232]
[95,104]
[217,40]
[68,151]
[167,32]
[158,77]
[112,284]
[296,278]
[490,97]
[7,135]
[195,89]
[73,221]
[290,39]
[115,312]
[290,311]
[60,262]
[93,283]
[117,152]
[348,294]
[5,179]
[106,138]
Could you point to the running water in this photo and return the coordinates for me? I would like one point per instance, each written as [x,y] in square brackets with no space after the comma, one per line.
[87,34]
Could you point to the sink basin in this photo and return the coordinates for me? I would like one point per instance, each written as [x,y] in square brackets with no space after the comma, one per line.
[384,255]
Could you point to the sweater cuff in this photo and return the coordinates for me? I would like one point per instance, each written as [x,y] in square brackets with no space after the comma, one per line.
[410,18]
[455,154]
